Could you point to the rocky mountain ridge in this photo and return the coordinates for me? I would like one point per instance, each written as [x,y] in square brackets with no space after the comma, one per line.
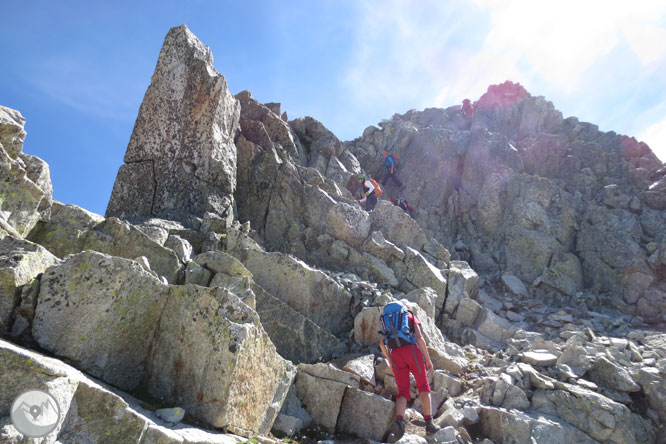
[234,274]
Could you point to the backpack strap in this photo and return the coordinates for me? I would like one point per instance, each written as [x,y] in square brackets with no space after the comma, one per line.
[416,359]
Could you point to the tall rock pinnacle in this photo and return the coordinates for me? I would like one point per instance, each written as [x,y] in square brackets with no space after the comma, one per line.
[181,159]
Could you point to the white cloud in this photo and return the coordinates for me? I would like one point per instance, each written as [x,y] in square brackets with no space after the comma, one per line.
[431,53]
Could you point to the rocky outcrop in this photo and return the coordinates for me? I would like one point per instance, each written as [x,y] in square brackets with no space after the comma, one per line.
[519,189]
[121,324]
[21,262]
[25,183]
[72,229]
[89,411]
[181,159]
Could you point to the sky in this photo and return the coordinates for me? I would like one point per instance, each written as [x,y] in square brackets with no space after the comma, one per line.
[78,70]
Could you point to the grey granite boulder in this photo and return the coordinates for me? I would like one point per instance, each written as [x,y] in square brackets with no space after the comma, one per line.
[100,312]
[365,415]
[296,337]
[181,158]
[21,261]
[72,229]
[218,363]
[305,289]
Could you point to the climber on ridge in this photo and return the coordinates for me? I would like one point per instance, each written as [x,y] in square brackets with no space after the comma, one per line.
[370,192]
[390,162]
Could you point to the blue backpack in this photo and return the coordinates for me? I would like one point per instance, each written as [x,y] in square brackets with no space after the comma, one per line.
[395,325]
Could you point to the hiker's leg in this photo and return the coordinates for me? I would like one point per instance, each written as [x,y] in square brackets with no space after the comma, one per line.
[401,368]
[419,371]
[426,403]
[395,179]
[386,177]
[371,202]
[400,406]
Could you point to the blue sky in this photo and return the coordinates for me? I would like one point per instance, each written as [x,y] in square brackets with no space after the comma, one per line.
[78,70]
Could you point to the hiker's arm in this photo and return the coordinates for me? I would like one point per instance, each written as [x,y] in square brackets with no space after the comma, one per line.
[424,349]
[370,186]
[385,352]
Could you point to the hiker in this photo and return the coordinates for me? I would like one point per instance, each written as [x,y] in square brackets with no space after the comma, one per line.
[370,191]
[402,203]
[467,108]
[391,168]
[408,353]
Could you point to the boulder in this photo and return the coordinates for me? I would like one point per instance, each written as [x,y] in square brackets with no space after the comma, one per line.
[365,415]
[211,356]
[607,374]
[181,158]
[367,324]
[654,387]
[321,397]
[396,225]
[379,247]
[463,282]
[599,417]
[363,366]
[89,410]
[421,273]
[494,327]
[97,311]
[21,261]
[502,425]
[349,223]
[65,231]
[565,274]
[514,285]
[72,229]
[119,238]
[305,289]
[424,298]
[540,358]
[467,312]
[296,337]
[12,131]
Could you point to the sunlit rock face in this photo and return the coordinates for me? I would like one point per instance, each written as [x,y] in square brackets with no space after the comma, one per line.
[181,159]
[517,188]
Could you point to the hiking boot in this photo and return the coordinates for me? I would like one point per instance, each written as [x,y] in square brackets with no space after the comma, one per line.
[396,431]
[431,427]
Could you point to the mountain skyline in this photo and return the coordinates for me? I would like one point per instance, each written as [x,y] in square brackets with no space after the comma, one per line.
[78,71]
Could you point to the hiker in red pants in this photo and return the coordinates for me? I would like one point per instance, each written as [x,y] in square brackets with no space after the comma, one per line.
[408,354]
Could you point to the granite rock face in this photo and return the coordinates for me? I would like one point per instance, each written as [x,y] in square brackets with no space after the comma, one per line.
[25,182]
[197,347]
[21,262]
[181,159]
[523,191]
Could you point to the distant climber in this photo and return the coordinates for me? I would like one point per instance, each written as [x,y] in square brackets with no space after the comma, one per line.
[466,108]
[405,349]
[391,164]
[370,192]
[402,203]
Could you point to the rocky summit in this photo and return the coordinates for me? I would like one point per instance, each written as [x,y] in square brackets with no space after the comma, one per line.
[233,288]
